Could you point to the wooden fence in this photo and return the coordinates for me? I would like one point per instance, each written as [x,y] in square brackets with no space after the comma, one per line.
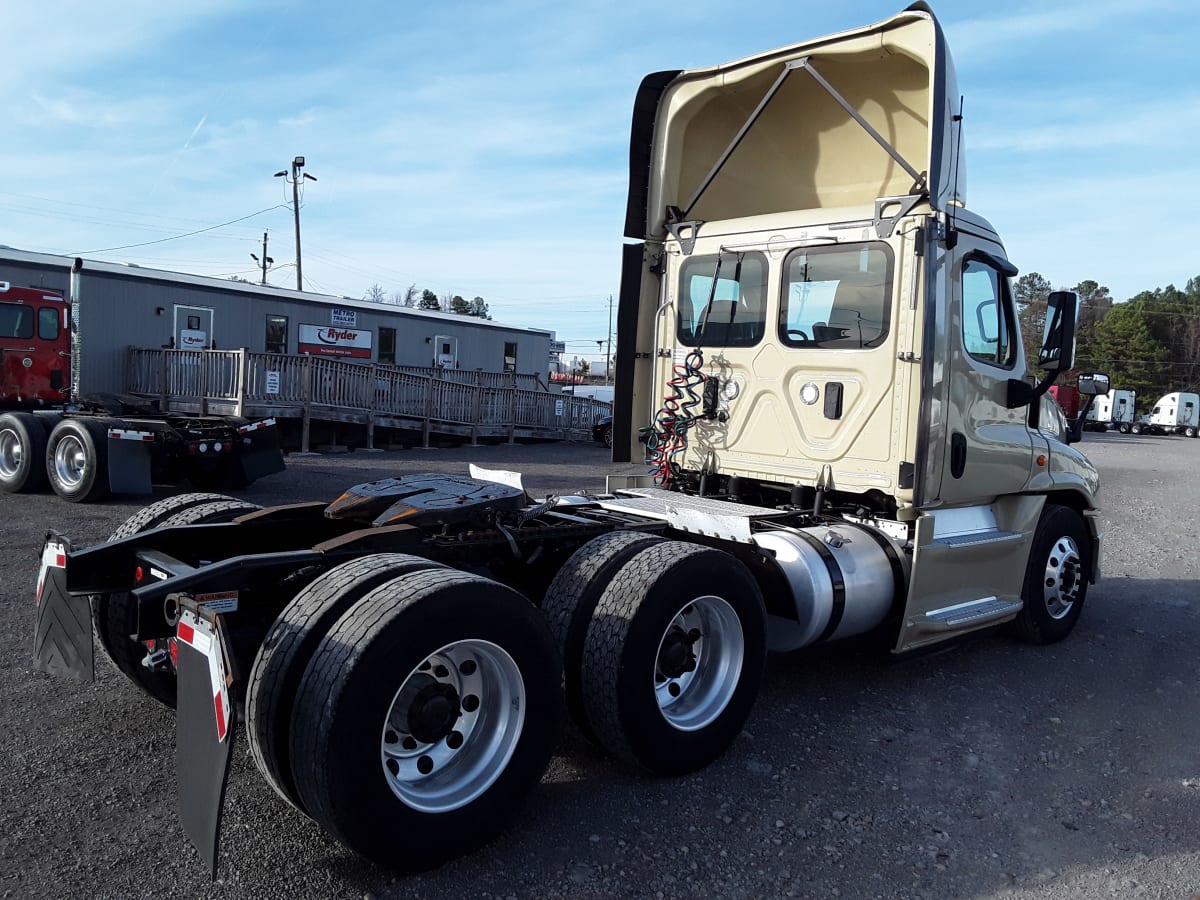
[434,402]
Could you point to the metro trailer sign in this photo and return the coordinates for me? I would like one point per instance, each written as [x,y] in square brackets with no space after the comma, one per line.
[332,340]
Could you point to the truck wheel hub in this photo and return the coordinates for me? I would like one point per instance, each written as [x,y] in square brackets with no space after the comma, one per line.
[433,713]
[676,656]
[1062,578]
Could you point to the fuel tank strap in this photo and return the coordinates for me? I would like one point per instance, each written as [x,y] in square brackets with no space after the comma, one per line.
[836,581]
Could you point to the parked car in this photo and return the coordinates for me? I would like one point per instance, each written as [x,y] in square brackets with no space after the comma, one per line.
[602,430]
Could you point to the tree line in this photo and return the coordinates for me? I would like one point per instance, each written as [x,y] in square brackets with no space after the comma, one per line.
[416,298]
[1149,344]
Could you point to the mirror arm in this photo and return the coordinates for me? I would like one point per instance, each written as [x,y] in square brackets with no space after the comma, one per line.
[1075,428]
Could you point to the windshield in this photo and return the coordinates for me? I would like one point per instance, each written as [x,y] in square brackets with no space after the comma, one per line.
[16,321]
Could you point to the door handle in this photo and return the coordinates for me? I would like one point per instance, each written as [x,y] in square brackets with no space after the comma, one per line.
[958,454]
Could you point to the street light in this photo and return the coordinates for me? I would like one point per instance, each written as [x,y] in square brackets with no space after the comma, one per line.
[265,261]
[297,176]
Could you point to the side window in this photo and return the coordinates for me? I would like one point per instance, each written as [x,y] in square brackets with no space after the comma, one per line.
[510,356]
[277,334]
[723,305]
[48,323]
[987,321]
[387,345]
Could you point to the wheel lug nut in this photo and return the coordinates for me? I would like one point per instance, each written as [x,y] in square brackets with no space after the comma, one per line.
[410,743]
[390,736]
[440,671]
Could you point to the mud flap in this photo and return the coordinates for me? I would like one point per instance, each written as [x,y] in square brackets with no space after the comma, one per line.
[259,454]
[129,465]
[62,640]
[204,727]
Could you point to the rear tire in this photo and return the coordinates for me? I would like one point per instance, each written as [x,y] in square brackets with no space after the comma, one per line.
[1056,578]
[77,460]
[1189,432]
[1135,429]
[571,599]
[121,614]
[289,646]
[426,715]
[674,657]
[22,453]
[143,520]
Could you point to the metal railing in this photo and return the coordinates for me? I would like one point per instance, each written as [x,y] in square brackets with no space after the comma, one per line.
[313,388]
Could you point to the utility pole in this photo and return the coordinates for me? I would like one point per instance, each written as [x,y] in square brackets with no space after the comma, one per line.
[609,360]
[297,176]
[265,261]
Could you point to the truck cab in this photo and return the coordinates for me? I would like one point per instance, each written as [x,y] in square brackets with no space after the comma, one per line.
[35,348]
[812,317]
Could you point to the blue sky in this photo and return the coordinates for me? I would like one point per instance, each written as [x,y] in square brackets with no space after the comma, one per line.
[481,148]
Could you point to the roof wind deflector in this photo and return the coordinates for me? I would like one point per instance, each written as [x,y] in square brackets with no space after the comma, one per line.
[920,185]
[679,218]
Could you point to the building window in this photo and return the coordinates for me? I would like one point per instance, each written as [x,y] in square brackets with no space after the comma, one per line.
[48,323]
[387,346]
[277,334]
[193,323]
[510,356]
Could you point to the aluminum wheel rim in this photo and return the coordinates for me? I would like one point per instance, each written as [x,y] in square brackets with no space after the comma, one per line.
[1063,577]
[712,666]
[70,460]
[436,772]
[11,453]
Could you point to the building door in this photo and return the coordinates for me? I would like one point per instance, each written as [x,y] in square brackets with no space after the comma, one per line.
[193,328]
[445,350]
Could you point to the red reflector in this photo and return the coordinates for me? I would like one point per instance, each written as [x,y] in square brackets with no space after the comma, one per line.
[186,633]
[192,449]
[173,647]
[60,560]
[220,716]
[138,574]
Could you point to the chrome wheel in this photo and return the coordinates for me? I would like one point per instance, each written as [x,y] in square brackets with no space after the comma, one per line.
[453,726]
[1063,577]
[699,663]
[11,453]
[70,460]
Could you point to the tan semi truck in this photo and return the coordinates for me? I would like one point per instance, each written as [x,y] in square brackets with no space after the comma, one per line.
[844,443]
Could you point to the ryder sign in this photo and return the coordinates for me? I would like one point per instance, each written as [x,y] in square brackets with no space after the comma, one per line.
[333,340]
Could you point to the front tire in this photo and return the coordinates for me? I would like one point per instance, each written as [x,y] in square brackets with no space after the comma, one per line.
[1056,578]
[674,657]
[427,713]
[22,453]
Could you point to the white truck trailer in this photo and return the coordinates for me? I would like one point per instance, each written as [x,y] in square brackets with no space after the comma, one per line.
[825,340]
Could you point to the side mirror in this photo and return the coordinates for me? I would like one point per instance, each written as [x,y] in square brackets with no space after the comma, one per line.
[1090,387]
[1093,385]
[1057,353]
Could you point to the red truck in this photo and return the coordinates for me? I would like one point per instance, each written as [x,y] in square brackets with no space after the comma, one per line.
[1068,398]
[88,446]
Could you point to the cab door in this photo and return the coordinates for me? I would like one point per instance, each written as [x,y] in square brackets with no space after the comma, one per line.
[989,447]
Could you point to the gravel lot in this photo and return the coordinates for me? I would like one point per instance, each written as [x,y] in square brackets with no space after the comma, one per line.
[991,769]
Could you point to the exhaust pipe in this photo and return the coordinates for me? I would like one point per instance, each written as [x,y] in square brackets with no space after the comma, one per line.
[76,337]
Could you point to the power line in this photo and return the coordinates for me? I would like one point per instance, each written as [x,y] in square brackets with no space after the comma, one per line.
[178,236]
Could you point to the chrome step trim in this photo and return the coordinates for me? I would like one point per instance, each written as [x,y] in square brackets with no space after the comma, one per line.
[974,612]
[979,537]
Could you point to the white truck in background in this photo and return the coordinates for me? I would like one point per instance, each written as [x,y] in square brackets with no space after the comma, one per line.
[1115,410]
[1174,413]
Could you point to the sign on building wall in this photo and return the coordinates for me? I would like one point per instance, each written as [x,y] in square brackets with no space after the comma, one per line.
[347,318]
[192,339]
[330,340]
